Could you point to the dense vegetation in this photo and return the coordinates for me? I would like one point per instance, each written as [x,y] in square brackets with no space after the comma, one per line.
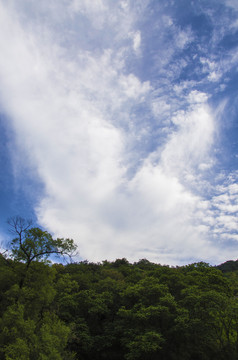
[113,310]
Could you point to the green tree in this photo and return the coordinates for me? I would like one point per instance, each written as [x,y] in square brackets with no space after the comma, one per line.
[145,318]
[30,327]
[34,244]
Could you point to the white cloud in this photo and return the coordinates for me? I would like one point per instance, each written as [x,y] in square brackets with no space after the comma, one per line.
[160,107]
[232,3]
[80,123]
[212,69]
[88,8]
[183,38]
[136,41]
[189,146]
[196,97]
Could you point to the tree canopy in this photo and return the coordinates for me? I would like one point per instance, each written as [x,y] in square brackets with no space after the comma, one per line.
[32,243]
[111,310]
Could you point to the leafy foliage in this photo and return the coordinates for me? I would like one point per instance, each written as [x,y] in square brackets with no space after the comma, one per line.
[32,243]
[111,310]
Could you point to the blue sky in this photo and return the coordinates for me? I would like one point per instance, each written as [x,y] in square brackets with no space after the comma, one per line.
[119,125]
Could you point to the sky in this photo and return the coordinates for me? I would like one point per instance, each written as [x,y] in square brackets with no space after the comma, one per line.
[119,126]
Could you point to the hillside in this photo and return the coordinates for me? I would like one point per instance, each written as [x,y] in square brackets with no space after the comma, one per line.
[117,310]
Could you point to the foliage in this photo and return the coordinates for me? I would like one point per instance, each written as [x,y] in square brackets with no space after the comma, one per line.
[32,243]
[112,310]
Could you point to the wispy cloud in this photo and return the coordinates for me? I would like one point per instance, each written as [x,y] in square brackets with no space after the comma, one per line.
[124,155]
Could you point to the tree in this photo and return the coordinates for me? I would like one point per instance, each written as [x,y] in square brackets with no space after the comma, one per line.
[146,317]
[34,244]
[30,327]
[22,338]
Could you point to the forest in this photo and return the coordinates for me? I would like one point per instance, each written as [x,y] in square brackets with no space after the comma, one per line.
[111,310]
